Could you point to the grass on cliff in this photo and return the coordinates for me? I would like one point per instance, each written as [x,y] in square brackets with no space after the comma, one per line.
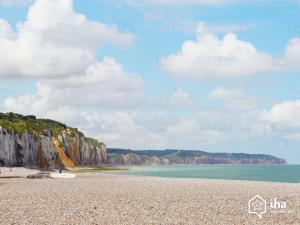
[19,124]
[94,142]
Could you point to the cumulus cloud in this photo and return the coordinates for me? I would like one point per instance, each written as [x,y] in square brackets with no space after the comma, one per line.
[104,85]
[54,41]
[286,113]
[210,56]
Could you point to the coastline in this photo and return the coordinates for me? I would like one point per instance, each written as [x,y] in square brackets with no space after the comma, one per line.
[107,198]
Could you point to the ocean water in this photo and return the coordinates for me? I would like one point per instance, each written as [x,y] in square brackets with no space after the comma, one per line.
[272,173]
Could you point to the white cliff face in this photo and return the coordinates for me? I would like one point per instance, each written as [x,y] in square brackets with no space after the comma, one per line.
[29,150]
[26,150]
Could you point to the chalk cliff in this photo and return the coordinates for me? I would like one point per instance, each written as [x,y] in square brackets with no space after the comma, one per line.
[30,142]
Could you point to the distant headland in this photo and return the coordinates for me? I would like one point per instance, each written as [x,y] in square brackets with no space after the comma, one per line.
[167,157]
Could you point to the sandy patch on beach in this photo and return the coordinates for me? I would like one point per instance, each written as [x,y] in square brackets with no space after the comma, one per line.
[101,198]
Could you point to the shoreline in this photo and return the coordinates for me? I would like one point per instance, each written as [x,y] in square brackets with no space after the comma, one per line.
[106,198]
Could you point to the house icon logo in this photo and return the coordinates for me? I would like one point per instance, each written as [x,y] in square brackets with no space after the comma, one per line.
[257,205]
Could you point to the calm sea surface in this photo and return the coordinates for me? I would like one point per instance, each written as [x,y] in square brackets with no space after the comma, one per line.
[274,173]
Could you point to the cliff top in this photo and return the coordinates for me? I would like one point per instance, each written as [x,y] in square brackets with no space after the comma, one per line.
[20,124]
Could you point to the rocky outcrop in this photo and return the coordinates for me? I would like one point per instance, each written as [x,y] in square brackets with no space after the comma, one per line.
[166,157]
[45,150]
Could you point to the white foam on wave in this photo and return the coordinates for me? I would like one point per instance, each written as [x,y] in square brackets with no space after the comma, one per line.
[62,175]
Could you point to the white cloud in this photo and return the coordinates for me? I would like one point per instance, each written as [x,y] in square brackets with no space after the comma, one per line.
[237,99]
[118,128]
[54,41]
[210,56]
[105,85]
[286,113]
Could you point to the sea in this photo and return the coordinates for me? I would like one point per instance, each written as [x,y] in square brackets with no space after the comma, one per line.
[269,173]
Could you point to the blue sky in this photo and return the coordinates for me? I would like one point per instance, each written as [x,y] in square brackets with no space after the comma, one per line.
[158,74]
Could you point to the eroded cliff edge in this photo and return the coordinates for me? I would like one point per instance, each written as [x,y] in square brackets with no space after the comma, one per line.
[30,142]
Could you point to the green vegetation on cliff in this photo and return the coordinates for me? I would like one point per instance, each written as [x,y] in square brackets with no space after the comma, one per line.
[94,142]
[16,123]
[20,124]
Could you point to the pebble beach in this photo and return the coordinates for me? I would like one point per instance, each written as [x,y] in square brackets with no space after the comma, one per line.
[108,198]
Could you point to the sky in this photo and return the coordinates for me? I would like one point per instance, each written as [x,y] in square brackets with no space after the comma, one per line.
[211,75]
